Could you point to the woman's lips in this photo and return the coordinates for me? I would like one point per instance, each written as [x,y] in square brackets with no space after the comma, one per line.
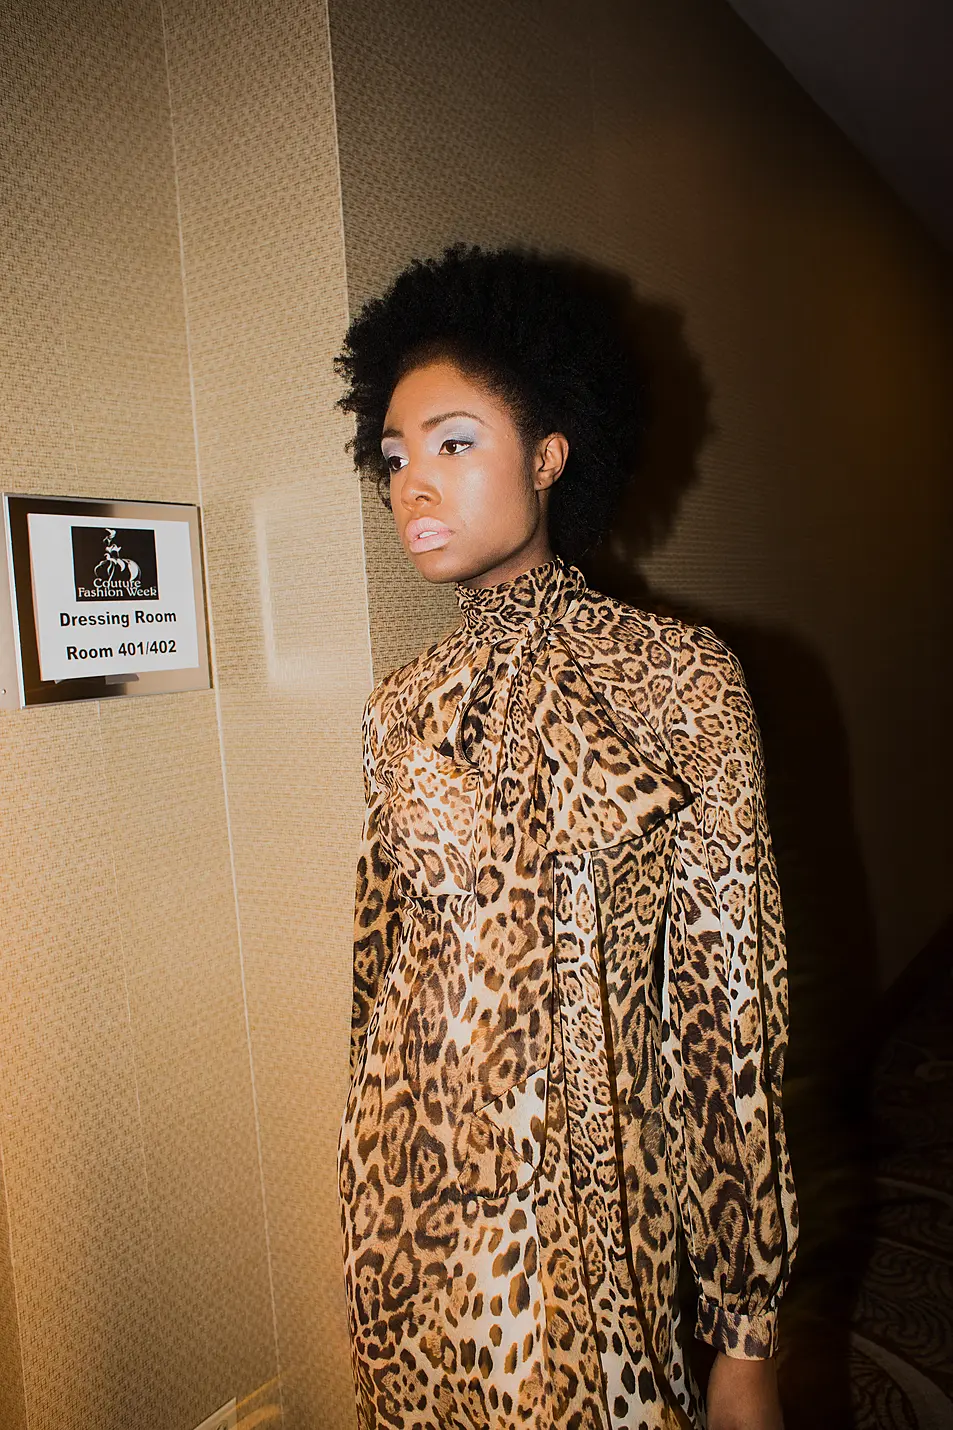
[427,535]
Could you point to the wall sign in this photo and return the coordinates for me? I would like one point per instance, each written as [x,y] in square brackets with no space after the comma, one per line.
[100,598]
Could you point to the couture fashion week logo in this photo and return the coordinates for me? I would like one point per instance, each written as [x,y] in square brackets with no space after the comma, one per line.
[112,564]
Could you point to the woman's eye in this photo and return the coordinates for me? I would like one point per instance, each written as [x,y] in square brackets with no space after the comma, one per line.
[393,463]
[456,442]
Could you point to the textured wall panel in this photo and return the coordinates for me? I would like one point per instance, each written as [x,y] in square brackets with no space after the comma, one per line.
[93,358]
[215,1337]
[81,1231]
[138,1258]
[12,1401]
[264,264]
[795,493]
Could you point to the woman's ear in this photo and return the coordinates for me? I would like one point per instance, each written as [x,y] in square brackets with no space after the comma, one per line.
[550,458]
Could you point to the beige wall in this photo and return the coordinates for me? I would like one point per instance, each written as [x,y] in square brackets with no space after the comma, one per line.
[811,527]
[177,872]
[264,266]
[128,1129]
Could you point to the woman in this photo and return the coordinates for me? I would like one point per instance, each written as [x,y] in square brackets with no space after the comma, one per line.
[569,1013]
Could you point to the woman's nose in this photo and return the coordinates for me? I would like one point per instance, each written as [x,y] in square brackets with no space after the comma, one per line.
[417,485]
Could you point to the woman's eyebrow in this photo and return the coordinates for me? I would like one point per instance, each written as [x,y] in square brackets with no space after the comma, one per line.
[434,422]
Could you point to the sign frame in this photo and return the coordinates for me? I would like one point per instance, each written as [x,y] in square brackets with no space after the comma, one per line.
[21,684]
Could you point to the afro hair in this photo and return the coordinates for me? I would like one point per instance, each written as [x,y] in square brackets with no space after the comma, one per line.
[545,333]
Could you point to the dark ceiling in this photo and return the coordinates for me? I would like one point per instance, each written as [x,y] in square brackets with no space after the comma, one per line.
[883,71]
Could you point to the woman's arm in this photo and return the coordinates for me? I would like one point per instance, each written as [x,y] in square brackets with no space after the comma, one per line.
[376,901]
[724,1031]
[743,1395]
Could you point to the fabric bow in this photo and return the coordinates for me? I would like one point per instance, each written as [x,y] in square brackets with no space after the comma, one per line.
[562,774]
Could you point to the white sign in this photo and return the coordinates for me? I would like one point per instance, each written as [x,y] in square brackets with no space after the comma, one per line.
[112,596]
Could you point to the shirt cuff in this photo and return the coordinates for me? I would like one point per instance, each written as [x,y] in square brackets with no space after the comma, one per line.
[741,1337]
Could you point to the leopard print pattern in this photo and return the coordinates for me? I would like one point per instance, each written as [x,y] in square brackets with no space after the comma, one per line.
[568,1026]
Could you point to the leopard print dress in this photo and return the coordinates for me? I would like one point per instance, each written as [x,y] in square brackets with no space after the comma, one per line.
[569,1022]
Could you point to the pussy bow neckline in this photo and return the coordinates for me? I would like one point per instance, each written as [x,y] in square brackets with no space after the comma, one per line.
[525,605]
[550,732]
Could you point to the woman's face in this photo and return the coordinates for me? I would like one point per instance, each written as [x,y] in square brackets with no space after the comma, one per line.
[469,502]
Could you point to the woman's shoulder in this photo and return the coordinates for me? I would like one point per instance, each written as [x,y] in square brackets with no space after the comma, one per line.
[668,671]
[666,642]
[401,688]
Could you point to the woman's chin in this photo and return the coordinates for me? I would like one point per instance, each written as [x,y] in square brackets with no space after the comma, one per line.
[440,564]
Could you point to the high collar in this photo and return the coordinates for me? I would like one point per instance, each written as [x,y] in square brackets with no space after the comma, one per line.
[543,593]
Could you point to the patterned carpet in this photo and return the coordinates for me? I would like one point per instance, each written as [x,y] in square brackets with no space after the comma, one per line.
[869,1331]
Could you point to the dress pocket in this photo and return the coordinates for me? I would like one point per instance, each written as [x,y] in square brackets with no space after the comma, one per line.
[506,1138]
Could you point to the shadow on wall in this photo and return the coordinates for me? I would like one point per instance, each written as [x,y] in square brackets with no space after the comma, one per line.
[830,931]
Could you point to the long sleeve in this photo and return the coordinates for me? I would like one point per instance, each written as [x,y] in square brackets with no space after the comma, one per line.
[724,1011]
[376,901]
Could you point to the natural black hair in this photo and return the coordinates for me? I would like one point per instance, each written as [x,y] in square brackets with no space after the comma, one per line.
[543,332]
